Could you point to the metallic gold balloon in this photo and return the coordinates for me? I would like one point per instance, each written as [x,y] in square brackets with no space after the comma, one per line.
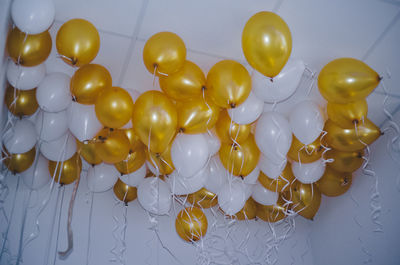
[165,51]
[124,192]
[346,80]
[134,140]
[240,159]
[132,162]
[305,153]
[66,172]
[349,114]
[248,212]
[191,224]
[114,107]
[267,43]
[334,183]
[88,82]
[306,199]
[155,120]
[345,161]
[184,84]
[78,42]
[203,199]
[112,146]
[18,163]
[21,102]
[228,84]
[282,183]
[196,115]
[229,132]
[162,161]
[351,139]
[272,213]
[88,151]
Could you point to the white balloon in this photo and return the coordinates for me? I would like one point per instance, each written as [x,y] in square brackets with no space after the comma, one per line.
[53,93]
[134,178]
[273,136]
[180,185]
[281,86]
[189,153]
[270,168]
[248,190]
[252,177]
[21,137]
[51,125]
[38,175]
[264,196]
[232,197]
[61,149]
[214,143]
[217,176]
[248,111]
[25,78]
[102,177]
[33,17]
[82,121]
[152,168]
[154,196]
[308,172]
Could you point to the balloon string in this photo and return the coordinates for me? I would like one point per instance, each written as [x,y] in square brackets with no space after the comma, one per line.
[59,222]
[312,77]
[89,229]
[113,250]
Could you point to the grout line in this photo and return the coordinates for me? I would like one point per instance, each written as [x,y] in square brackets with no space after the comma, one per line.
[277,6]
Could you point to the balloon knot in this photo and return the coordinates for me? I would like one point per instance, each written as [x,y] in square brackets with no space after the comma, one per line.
[74,61]
[130,151]
[203,88]
[93,165]
[126,204]
[158,155]
[380,78]
[382,133]
[233,105]
[73,98]
[355,122]
[241,177]
[181,130]
[312,218]
[256,218]
[235,146]
[271,80]
[111,129]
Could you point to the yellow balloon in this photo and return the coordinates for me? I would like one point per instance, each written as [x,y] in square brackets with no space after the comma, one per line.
[162,161]
[347,80]
[351,139]
[334,183]
[348,115]
[66,172]
[164,53]
[267,43]
[18,163]
[155,120]
[305,153]
[21,102]
[88,82]
[114,107]
[124,192]
[306,199]
[229,132]
[28,50]
[272,213]
[282,183]
[241,159]
[228,84]
[134,140]
[203,199]
[191,224]
[184,84]
[112,146]
[78,42]
[132,162]
[248,212]
[88,151]
[345,161]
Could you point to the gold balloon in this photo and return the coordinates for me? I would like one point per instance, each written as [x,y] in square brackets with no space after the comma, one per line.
[21,102]
[346,80]
[228,84]
[66,172]
[351,139]
[196,115]
[306,199]
[112,146]
[306,153]
[164,51]
[267,43]
[18,163]
[191,224]
[88,82]
[132,162]
[272,213]
[134,140]
[78,42]
[88,151]
[240,159]
[124,192]
[349,114]
[114,107]
[229,132]
[345,161]
[282,183]
[334,183]
[248,212]
[162,161]
[203,199]
[155,120]
[184,84]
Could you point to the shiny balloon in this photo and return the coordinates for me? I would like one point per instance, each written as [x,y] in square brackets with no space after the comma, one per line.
[306,199]
[112,146]
[348,115]
[305,153]
[18,163]
[230,132]
[88,151]
[272,213]
[124,192]
[191,224]
[282,183]
[66,172]
[345,161]
[334,183]
[162,161]
[203,199]
[132,162]
[248,212]
[21,102]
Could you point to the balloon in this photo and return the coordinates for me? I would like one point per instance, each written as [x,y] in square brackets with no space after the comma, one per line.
[241,159]
[88,151]
[248,111]
[164,53]
[217,176]
[155,120]
[37,175]
[191,224]
[266,43]
[134,140]
[28,50]
[252,177]
[270,168]
[134,178]
[187,83]
[154,196]
[282,183]
[228,84]
[203,199]
[272,213]
[248,212]
[102,177]
[51,125]
[189,153]
[112,145]
[334,183]
[53,92]
[310,172]
[264,196]
[306,199]
[124,192]
[346,80]
[196,115]
[282,86]
[88,82]
[61,149]
[21,137]
[78,42]
[213,142]
[25,78]
[345,161]
[82,121]
[33,17]
[163,161]
[348,115]
[232,197]
[66,172]
[21,102]
[300,152]
[132,162]
[18,163]
[306,121]
[229,131]
[350,140]
[181,185]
